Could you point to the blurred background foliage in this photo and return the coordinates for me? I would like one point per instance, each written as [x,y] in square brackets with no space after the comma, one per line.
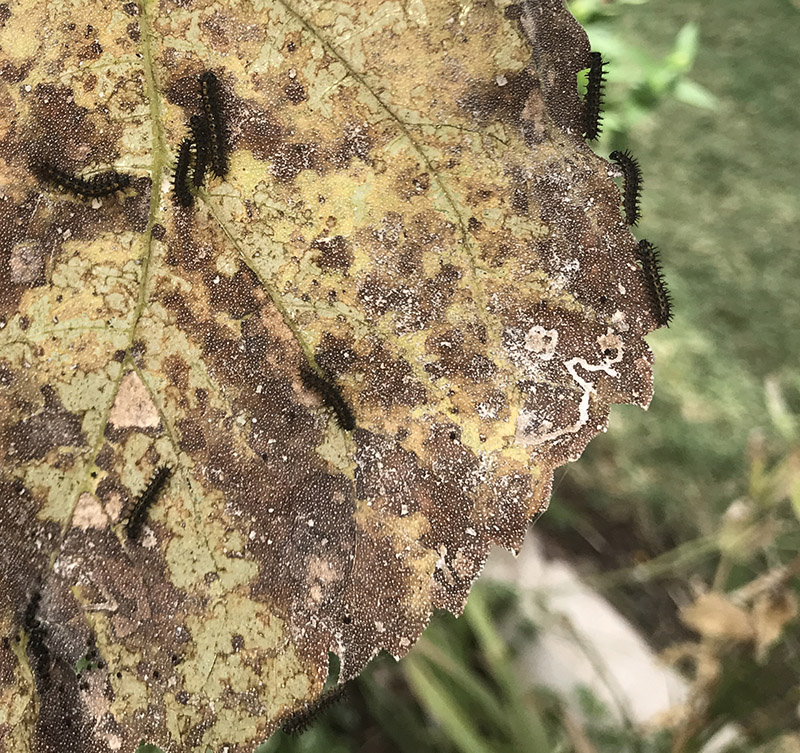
[684,517]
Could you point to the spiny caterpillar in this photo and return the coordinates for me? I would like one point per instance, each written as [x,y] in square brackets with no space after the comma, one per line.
[593,103]
[141,507]
[302,719]
[651,266]
[201,138]
[632,175]
[212,108]
[103,184]
[180,185]
[332,396]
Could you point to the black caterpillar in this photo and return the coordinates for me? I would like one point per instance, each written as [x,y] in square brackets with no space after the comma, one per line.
[651,266]
[632,175]
[202,146]
[141,507]
[212,108]
[181,181]
[593,104]
[302,719]
[332,396]
[103,184]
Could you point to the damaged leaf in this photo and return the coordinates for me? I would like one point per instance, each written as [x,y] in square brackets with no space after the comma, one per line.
[408,212]
[713,615]
[772,612]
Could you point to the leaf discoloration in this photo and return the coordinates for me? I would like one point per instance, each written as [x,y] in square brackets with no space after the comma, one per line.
[47,429]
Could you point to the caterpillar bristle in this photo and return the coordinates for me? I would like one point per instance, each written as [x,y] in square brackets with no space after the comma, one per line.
[593,103]
[301,720]
[660,297]
[215,117]
[632,176]
[141,506]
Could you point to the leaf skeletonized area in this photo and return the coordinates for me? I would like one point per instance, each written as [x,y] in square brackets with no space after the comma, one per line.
[410,210]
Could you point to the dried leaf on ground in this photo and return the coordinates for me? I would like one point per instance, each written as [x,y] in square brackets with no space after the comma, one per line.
[713,615]
[772,612]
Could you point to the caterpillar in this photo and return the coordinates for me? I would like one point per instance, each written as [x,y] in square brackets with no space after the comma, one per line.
[36,638]
[103,184]
[632,175]
[141,507]
[302,719]
[212,108]
[651,266]
[593,103]
[180,185]
[332,396]
[201,138]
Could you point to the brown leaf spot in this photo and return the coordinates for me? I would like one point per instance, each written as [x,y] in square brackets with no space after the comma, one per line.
[24,552]
[355,144]
[295,92]
[504,98]
[334,253]
[176,368]
[52,427]
[91,52]
[454,358]
[237,295]
[381,603]
[411,182]
[6,375]
[192,435]
[291,159]
[389,381]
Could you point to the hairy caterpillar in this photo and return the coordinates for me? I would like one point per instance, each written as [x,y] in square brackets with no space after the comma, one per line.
[593,104]
[180,185]
[302,719]
[651,266]
[332,396]
[212,108]
[95,187]
[141,507]
[632,175]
